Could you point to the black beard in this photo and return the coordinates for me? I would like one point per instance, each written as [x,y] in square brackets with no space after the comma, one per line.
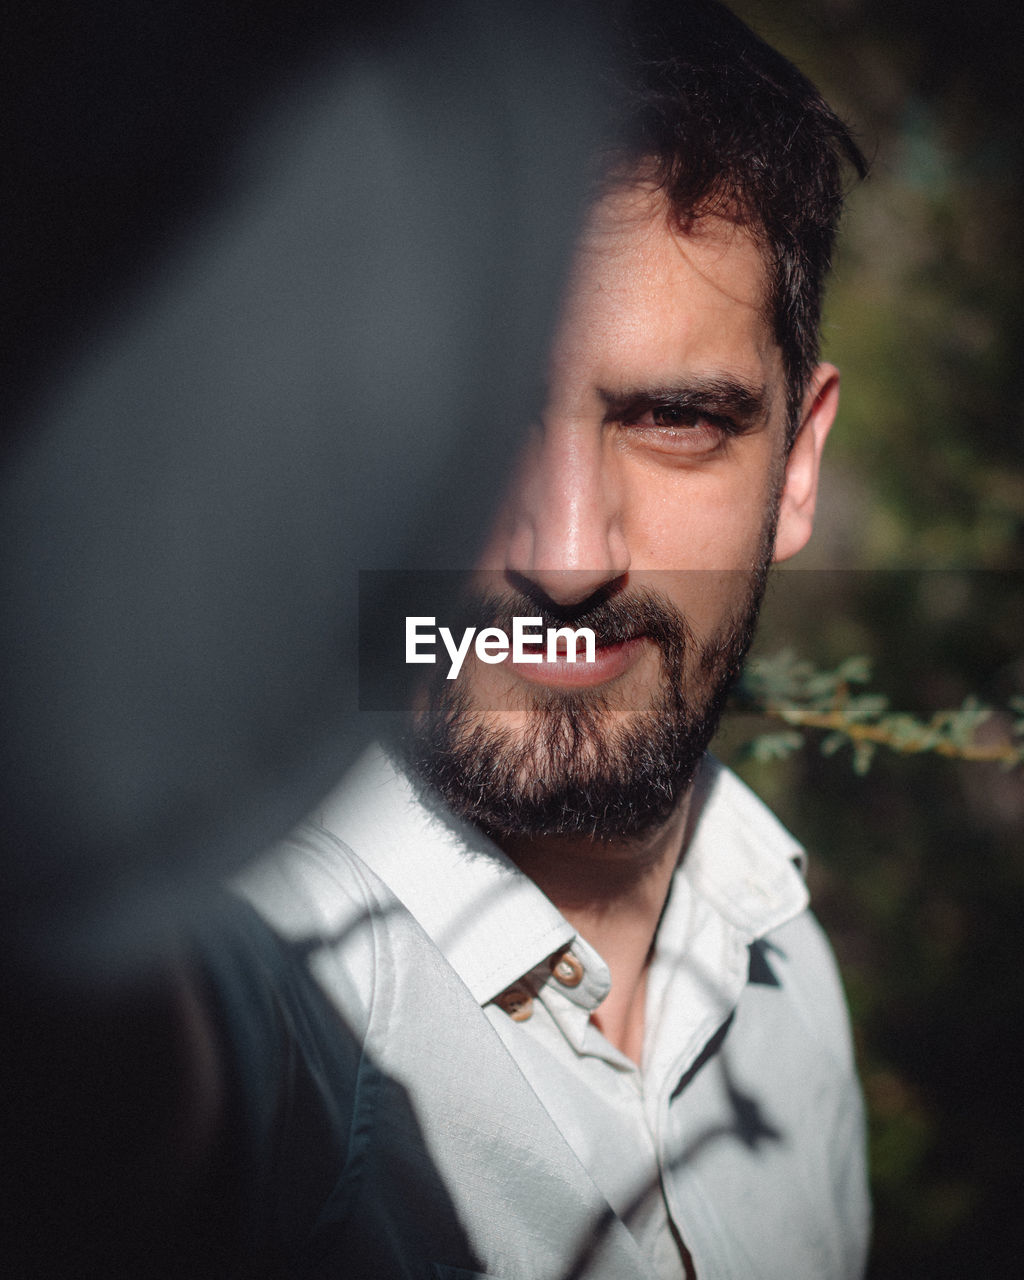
[572,774]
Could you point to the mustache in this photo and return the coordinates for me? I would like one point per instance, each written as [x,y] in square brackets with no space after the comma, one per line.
[614,617]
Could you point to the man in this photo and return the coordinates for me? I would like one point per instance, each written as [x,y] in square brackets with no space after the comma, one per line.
[536,993]
[587,1024]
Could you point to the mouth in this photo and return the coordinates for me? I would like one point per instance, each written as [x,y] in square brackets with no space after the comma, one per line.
[573,671]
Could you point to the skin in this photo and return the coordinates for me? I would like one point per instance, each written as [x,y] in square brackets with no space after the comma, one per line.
[658,453]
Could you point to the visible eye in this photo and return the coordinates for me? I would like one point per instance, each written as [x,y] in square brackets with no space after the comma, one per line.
[675,416]
[679,429]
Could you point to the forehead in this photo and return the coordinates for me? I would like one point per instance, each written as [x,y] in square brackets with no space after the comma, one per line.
[647,301]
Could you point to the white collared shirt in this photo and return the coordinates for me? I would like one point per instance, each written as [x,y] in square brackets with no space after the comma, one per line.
[741,1132]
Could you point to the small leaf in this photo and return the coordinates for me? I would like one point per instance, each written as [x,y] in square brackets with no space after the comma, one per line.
[775,746]
[823,685]
[906,731]
[855,670]
[863,757]
[964,723]
[831,743]
[866,706]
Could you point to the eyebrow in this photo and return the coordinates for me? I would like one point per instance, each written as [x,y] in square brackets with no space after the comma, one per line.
[744,404]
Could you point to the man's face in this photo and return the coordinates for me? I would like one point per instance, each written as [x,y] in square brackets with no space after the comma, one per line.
[650,499]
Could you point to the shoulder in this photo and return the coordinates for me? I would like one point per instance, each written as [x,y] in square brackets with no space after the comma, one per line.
[306,966]
[800,954]
[752,868]
[350,931]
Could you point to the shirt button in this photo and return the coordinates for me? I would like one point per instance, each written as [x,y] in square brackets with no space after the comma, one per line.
[517,1002]
[567,969]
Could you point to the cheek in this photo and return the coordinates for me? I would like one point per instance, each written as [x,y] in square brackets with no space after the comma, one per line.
[711,601]
[697,521]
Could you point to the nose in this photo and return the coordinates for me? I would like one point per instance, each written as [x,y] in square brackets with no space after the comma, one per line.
[565,526]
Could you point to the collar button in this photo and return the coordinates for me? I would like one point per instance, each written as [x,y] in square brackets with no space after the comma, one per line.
[517,1002]
[567,969]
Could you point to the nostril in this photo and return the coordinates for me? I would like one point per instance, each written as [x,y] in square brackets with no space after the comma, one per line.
[565,594]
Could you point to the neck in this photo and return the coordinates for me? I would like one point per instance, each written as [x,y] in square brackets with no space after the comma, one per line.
[613,894]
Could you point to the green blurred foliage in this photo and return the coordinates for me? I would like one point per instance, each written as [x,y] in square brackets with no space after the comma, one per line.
[925,315]
[918,564]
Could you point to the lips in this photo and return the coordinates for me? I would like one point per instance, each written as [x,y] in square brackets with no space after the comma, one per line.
[538,648]
[610,661]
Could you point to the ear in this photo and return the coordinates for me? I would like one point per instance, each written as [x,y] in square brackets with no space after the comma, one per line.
[800,484]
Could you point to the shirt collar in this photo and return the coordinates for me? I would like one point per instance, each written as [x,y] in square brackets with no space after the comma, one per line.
[491,923]
[739,858]
[494,925]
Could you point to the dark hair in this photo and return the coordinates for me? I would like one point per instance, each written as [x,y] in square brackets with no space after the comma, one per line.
[723,124]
